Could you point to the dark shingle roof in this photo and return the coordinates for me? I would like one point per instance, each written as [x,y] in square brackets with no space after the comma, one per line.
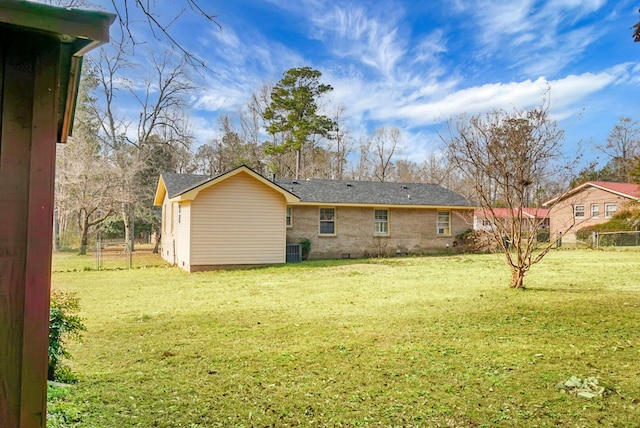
[373,192]
[343,191]
[178,183]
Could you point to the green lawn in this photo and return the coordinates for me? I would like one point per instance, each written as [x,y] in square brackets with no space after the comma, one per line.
[432,341]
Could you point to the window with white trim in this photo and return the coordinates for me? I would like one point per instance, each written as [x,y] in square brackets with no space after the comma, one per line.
[289,216]
[578,211]
[179,213]
[610,210]
[595,210]
[381,222]
[443,223]
[327,221]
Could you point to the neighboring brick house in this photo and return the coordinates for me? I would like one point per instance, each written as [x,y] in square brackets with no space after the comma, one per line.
[588,204]
[240,218]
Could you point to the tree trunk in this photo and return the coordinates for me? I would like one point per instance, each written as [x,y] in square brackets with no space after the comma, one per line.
[127,220]
[83,223]
[156,248]
[84,239]
[517,278]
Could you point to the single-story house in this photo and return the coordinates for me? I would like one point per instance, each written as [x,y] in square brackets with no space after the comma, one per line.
[531,218]
[241,218]
[591,203]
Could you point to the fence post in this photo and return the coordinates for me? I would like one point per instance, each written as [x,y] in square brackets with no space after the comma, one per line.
[98,252]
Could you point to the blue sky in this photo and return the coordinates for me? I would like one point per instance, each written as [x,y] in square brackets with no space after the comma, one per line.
[415,64]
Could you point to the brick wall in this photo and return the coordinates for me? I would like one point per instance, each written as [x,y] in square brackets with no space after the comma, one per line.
[562,214]
[411,230]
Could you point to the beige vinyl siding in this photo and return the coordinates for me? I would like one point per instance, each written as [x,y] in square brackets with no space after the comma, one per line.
[182,233]
[239,221]
[167,234]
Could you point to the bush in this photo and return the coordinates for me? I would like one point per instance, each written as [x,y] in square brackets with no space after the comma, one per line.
[305,247]
[63,323]
[620,222]
[543,235]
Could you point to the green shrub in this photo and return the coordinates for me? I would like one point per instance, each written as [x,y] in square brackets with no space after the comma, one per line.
[543,235]
[620,222]
[63,323]
[305,247]
[61,412]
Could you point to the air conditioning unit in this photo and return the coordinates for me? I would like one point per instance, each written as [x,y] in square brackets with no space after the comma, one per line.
[294,253]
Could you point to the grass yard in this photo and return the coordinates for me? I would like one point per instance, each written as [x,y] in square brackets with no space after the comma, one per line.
[432,341]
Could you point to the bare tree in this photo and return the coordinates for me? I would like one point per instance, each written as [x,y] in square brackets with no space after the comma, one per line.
[362,170]
[623,147]
[131,13]
[407,171]
[506,155]
[83,174]
[384,143]
[81,177]
[341,144]
[636,31]
[160,97]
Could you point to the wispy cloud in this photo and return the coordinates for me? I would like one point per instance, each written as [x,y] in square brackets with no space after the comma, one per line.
[533,35]
[352,31]
[430,47]
[416,64]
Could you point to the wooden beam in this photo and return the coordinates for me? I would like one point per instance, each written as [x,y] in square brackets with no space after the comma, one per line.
[35,337]
[15,144]
[36,45]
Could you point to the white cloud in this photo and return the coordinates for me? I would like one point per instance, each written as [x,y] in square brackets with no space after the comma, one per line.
[534,35]
[565,94]
[351,31]
[430,47]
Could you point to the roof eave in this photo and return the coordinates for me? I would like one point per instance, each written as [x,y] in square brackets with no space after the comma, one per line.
[85,29]
[383,205]
[78,31]
[161,191]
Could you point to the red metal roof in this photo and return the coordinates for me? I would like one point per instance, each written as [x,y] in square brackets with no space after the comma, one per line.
[508,213]
[627,190]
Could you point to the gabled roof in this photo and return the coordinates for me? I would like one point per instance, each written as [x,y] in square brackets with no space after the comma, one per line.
[329,192]
[345,192]
[531,213]
[626,190]
[177,183]
[185,187]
